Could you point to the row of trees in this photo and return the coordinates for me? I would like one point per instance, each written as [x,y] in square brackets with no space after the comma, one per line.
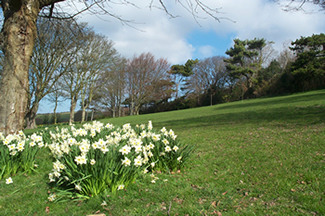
[71,62]
[252,69]
[19,33]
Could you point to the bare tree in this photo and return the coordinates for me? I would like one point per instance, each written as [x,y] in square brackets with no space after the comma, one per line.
[53,47]
[55,97]
[286,56]
[18,36]
[111,91]
[98,56]
[94,55]
[143,74]
[209,76]
[73,80]
[300,4]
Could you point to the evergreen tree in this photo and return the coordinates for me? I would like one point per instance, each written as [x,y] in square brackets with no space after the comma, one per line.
[309,66]
[245,60]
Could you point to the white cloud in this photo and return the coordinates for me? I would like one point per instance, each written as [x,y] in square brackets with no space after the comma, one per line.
[165,37]
[152,31]
[206,51]
[256,18]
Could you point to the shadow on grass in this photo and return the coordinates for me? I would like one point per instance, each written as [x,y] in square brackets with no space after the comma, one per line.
[283,100]
[298,115]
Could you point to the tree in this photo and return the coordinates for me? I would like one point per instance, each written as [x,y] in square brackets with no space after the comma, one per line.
[299,4]
[180,73]
[245,60]
[97,56]
[17,39]
[286,57]
[209,76]
[18,35]
[309,66]
[55,97]
[143,75]
[93,55]
[111,93]
[269,72]
[52,48]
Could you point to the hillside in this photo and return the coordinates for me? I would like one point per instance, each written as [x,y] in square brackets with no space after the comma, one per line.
[266,110]
[261,156]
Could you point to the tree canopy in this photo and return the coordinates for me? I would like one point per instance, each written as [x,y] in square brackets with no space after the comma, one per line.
[245,59]
[309,65]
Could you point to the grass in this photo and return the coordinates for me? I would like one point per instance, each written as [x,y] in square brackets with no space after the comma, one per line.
[254,157]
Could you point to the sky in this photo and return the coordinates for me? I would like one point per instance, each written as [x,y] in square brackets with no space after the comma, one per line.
[183,37]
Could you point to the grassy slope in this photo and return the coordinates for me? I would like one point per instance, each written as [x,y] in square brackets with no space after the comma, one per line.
[263,157]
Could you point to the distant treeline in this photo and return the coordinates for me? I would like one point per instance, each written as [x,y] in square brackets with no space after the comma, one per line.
[48,118]
[87,70]
[252,70]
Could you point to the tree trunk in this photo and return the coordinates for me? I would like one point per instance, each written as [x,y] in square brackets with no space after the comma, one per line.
[113,108]
[54,111]
[72,108]
[83,114]
[19,33]
[119,110]
[177,86]
[211,99]
[83,107]
[92,115]
[31,116]
[132,108]
[136,110]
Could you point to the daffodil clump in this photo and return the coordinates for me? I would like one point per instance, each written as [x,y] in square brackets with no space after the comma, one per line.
[17,153]
[98,158]
[164,150]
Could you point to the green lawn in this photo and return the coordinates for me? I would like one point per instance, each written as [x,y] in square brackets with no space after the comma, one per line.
[254,157]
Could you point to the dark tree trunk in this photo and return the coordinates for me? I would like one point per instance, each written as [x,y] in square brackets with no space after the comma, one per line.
[86,117]
[31,116]
[211,99]
[132,108]
[18,33]
[119,110]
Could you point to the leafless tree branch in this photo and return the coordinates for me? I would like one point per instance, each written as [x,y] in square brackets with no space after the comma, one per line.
[299,5]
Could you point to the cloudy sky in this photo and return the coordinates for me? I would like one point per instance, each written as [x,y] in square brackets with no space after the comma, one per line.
[182,38]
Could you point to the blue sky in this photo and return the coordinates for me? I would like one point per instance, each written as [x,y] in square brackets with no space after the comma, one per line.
[182,38]
[208,43]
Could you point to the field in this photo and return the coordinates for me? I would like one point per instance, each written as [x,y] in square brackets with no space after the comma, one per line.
[254,157]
